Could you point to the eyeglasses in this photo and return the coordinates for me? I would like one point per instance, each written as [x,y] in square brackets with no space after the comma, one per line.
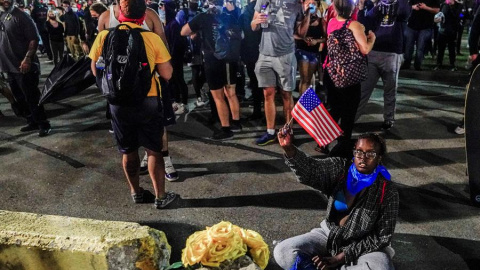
[361,154]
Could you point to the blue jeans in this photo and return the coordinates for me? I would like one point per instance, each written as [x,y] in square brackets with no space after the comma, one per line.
[419,38]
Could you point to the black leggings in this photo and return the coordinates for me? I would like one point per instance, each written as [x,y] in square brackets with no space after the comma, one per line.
[177,83]
[57,50]
[198,79]
[344,104]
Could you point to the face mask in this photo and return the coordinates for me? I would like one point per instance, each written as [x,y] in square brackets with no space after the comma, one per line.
[74,9]
[161,14]
[52,17]
[312,8]
[329,2]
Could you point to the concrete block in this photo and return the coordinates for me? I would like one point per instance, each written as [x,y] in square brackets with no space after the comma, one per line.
[44,242]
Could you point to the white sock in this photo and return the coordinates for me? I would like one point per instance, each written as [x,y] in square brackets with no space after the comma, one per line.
[271,131]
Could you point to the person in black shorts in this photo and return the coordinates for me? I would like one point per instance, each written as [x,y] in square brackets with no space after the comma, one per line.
[220,75]
[141,125]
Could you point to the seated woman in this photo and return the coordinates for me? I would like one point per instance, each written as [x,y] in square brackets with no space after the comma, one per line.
[361,213]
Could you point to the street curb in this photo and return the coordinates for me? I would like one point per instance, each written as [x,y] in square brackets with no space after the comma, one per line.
[34,241]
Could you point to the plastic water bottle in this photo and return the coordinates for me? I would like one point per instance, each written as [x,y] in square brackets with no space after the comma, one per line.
[264,11]
[100,64]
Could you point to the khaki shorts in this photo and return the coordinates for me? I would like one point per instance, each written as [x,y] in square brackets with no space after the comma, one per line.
[276,71]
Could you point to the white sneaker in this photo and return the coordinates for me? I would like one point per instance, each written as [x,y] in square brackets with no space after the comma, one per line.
[170,173]
[199,102]
[144,165]
[181,109]
[175,107]
[460,130]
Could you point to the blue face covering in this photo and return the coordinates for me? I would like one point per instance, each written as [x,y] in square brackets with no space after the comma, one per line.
[356,181]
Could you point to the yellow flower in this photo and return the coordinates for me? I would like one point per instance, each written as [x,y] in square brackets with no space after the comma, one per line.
[195,248]
[260,256]
[221,232]
[224,241]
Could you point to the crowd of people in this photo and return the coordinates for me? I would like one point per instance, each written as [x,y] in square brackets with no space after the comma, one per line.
[273,41]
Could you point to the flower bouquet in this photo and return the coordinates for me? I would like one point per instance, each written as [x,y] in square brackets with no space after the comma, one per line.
[225,246]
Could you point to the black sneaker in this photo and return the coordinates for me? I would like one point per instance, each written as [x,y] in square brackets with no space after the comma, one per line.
[29,127]
[236,126]
[222,135]
[387,125]
[44,131]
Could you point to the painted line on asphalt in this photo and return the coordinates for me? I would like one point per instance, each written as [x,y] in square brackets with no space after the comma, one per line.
[70,161]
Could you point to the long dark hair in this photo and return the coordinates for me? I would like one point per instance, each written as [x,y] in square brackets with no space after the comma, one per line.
[344,8]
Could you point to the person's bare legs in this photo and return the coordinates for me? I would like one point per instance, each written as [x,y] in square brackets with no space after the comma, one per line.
[131,165]
[222,107]
[233,101]
[156,169]
[305,77]
[287,105]
[270,109]
[164,140]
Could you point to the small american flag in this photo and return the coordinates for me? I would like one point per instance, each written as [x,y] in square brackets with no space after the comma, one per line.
[315,119]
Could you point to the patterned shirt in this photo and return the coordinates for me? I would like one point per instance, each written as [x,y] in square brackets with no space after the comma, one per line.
[372,218]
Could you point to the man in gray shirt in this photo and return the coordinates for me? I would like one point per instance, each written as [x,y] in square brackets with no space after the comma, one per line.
[276,65]
[18,43]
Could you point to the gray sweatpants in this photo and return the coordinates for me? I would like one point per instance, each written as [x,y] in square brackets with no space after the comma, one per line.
[386,66]
[314,243]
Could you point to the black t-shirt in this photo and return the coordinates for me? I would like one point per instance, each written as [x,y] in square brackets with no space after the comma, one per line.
[422,19]
[207,24]
[55,33]
[315,32]
[19,31]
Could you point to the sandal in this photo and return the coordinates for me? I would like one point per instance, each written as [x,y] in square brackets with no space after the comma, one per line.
[138,197]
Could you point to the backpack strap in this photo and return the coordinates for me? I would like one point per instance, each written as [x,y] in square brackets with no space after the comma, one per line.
[383,191]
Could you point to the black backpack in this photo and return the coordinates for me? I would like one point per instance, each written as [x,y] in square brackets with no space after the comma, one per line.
[127,78]
[229,38]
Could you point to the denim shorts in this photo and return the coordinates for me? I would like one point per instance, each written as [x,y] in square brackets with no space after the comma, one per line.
[138,126]
[304,56]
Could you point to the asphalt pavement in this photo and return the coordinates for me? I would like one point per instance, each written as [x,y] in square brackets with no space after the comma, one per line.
[76,171]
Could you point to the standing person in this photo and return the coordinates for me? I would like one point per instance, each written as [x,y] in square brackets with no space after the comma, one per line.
[419,30]
[95,11]
[308,47]
[72,30]
[39,16]
[344,101]
[151,22]
[221,75]
[473,59]
[196,62]
[361,214]
[447,32]
[55,35]
[276,65]
[141,125]
[250,53]
[19,60]
[177,45]
[385,59]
